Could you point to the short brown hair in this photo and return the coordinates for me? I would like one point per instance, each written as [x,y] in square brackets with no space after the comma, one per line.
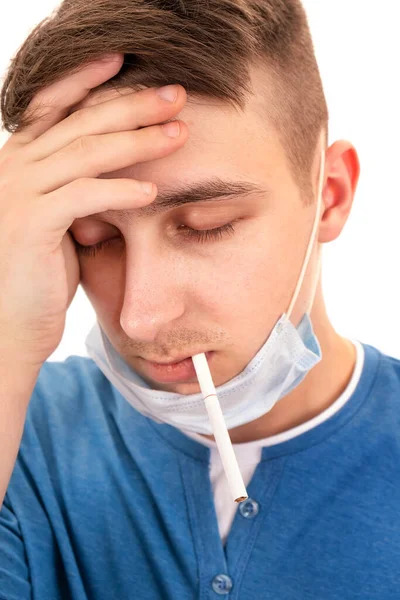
[208,46]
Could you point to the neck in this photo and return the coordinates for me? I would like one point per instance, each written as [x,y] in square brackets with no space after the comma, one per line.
[322,386]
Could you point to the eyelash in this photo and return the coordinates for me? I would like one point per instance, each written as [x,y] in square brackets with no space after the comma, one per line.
[200,236]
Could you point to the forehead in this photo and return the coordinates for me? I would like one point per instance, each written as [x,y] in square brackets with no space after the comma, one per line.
[223,141]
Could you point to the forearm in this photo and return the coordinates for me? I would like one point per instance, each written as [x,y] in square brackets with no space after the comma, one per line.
[16,386]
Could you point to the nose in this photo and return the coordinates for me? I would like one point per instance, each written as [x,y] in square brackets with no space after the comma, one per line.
[153,295]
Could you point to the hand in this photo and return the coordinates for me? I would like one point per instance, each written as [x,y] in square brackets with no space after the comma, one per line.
[49,177]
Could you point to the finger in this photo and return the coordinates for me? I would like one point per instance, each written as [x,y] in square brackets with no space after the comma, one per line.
[139,109]
[84,197]
[72,266]
[52,104]
[93,155]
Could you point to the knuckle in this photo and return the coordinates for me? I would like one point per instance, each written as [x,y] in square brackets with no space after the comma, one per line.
[76,119]
[78,186]
[9,160]
[134,139]
[11,181]
[6,166]
[83,145]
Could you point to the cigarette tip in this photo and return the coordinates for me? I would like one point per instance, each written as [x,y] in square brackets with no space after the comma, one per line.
[241,499]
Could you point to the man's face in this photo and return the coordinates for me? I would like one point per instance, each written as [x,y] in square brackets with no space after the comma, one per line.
[159,292]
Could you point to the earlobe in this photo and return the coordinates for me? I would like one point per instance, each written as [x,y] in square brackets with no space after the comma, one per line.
[342,172]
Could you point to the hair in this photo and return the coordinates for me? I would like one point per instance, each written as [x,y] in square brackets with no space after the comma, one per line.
[208,46]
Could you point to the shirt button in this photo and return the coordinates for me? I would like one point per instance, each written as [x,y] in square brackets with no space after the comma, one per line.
[249,508]
[222,584]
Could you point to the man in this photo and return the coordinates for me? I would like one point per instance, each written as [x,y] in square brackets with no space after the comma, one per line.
[117,490]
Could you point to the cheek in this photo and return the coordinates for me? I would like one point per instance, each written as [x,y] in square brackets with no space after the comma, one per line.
[104,282]
[254,283]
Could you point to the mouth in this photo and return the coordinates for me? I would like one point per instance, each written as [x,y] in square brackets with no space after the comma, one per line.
[172,372]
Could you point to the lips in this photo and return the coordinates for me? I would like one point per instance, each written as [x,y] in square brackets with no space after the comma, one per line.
[175,360]
[171,362]
[179,371]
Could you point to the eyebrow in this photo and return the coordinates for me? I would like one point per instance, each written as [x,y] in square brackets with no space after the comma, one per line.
[208,190]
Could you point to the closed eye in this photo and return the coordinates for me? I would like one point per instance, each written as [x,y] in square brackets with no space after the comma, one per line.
[200,236]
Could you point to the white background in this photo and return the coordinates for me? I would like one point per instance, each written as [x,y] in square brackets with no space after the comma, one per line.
[358,49]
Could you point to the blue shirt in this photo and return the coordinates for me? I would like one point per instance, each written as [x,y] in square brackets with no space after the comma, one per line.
[106,504]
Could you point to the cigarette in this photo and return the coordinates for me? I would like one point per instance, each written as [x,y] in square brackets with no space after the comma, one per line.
[220,431]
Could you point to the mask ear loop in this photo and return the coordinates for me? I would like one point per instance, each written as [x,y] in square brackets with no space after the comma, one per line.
[315,284]
[311,243]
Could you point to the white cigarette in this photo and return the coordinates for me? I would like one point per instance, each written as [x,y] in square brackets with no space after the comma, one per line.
[220,431]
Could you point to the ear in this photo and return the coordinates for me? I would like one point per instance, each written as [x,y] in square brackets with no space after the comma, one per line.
[342,171]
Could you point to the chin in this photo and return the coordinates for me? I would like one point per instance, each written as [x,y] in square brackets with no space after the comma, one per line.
[184,389]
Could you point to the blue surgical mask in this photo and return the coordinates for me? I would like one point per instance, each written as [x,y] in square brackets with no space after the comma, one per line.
[278,367]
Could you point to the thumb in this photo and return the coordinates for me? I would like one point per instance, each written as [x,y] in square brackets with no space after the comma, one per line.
[71,265]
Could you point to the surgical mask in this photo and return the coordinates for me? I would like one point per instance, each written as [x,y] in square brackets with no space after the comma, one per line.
[278,367]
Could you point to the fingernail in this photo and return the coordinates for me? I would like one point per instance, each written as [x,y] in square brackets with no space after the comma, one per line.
[172,129]
[147,187]
[168,92]
[109,57]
